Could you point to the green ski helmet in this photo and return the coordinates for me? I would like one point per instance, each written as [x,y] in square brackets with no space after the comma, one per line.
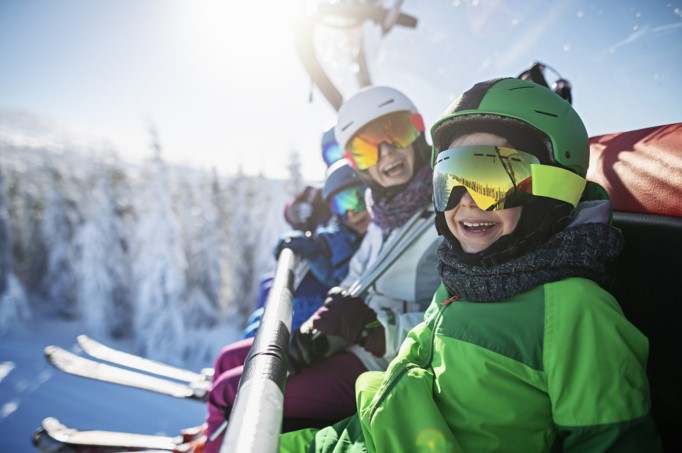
[508,105]
[533,119]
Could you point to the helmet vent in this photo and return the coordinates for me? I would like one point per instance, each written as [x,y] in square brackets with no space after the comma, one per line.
[568,154]
[390,101]
[547,113]
[347,126]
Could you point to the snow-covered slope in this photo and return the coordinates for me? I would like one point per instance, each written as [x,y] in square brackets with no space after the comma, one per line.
[167,258]
[30,390]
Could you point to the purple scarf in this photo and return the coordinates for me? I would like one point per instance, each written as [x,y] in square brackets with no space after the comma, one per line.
[393,211]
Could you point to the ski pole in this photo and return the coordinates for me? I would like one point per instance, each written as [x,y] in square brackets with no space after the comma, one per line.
[299,272]
[386,260]
[389,247]
[256,418]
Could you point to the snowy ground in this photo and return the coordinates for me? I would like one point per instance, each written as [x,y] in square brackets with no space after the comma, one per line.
[30,390]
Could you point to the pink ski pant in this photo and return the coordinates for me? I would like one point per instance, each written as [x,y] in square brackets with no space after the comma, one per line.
[324,391]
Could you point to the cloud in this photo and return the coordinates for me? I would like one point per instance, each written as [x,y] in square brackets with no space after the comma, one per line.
[644,32]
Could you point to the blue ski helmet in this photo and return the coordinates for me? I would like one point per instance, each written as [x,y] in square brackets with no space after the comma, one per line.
[340,176]
[331,151]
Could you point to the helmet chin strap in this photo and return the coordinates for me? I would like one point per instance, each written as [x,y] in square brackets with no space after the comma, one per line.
[539,221]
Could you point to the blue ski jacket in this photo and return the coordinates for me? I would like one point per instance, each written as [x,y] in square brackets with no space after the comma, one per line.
[327,253]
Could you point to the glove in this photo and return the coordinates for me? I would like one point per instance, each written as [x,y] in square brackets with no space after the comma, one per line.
[350,318]
[299,212]
[305,348]
[307,210]
[301,242]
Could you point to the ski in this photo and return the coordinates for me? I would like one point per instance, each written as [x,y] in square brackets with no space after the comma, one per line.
[88,368]
[100,351]
[55,437]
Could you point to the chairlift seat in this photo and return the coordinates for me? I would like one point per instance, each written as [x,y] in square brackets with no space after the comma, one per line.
[642,172]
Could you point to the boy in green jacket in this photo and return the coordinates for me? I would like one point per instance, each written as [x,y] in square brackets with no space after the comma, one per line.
[522,349]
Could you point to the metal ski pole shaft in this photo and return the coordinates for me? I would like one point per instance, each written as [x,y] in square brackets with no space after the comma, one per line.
[384,262]
[368,278]
[256,418]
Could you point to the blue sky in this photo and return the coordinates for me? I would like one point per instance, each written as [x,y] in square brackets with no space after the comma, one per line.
[222,84]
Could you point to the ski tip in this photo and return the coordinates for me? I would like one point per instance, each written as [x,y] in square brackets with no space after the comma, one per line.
[207,373]
[45,443]
[46,439]
[50,350]
[82,338]
[51,424]
[42,441]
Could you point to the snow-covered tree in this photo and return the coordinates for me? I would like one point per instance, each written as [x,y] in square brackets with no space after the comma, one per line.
[243,236]
[257,206]
[202,234]
[26,176]
[158,270]
[5,243]
[101,265]
[170,256]
[295,176]
[58,228]
[14,309]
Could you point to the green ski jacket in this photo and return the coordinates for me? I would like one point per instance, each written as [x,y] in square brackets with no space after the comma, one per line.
[557,368]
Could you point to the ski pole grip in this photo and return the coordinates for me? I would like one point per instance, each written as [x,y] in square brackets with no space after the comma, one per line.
[256,418]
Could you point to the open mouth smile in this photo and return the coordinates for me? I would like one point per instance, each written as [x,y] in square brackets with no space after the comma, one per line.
[394,169]
[477,227]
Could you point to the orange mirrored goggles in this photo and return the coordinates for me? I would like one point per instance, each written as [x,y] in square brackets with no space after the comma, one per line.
[399,129]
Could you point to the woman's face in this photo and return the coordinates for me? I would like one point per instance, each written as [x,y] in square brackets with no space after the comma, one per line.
[475,229]
[395,165]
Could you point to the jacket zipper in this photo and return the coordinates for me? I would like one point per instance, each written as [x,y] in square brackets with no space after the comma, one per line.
[396,376]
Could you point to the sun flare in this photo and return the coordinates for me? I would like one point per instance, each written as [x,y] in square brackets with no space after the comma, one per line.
[247,31]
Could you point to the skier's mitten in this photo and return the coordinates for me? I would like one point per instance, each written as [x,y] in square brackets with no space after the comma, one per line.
[373,339]
[305,348]
[307,210]
[300,211]
[350,318]
[301,242]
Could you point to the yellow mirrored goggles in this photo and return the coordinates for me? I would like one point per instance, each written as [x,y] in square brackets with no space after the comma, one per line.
[500,178]
[399,129]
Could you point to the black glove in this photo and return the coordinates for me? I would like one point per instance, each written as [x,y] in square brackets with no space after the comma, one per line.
[307,210]
[350,318]
[306,348]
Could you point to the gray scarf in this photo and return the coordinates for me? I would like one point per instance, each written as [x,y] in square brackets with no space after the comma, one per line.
[578,251]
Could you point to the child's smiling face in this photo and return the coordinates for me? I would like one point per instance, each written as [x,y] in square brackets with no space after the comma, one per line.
[358,221]
[475,229]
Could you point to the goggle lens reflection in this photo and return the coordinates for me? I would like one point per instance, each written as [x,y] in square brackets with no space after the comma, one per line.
[399,129]
[495,177]
[351,199]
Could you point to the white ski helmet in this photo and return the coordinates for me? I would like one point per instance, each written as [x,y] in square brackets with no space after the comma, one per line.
[367,105]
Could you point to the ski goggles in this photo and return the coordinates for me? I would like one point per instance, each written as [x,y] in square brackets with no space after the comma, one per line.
[399,129]
[331,152]
[350,199]
[500,178]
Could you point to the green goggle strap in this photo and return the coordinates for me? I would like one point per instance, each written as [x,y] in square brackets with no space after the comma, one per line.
[557,183]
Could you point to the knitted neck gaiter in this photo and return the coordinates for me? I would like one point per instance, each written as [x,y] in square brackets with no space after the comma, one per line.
[393,211]
[579,251]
